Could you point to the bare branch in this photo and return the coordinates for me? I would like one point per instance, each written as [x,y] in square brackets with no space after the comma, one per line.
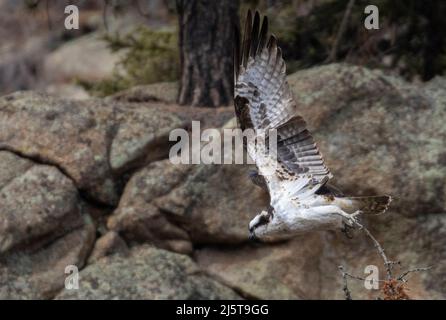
[342,27]
[387,263]
[393,288]
[403,276]
[347,293]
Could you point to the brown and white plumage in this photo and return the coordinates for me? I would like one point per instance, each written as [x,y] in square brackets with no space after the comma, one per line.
[263,101]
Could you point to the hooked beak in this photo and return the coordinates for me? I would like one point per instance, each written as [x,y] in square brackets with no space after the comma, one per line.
[253,237]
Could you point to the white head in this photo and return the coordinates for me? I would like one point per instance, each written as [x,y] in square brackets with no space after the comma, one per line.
[269,227]
[258,226]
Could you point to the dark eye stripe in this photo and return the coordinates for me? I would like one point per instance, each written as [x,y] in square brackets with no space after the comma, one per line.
[263,220]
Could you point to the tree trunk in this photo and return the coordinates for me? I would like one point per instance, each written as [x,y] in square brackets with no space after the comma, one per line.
[435,44]
[206,39]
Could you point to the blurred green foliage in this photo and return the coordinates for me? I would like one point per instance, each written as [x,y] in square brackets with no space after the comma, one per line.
[149,56]
[410,42]
[411,39]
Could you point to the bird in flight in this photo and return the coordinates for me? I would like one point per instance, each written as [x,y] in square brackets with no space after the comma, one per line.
[295,175]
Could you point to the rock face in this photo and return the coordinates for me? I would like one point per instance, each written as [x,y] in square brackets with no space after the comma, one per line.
[174,205]
[307,267]
[281,271]
[377,131]
[41,274]
[89,59]
[90,141]
[37,202]
[387,134]
[106,245]
[72,169]
[148,273]
[164,91]
[67,91]
[412,241]
[139,220]
[44,227]
[208,204]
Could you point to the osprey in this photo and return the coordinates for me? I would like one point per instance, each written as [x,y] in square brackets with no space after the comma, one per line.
[295,176]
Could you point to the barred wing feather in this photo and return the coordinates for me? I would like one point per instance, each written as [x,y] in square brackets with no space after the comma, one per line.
[263,101]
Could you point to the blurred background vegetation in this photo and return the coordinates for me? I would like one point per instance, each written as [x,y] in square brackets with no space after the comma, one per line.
[410,41]
[151,56]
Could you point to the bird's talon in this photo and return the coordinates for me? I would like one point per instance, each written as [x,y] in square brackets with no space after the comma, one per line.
[356,213]
[351,219]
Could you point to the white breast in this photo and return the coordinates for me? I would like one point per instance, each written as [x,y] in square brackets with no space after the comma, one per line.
[297,217]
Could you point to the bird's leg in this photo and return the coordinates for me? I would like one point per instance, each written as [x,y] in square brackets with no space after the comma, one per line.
[346,227]
[355,214]
[350,219]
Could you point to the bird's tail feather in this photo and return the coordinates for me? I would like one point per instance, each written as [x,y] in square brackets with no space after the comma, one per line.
[372,204]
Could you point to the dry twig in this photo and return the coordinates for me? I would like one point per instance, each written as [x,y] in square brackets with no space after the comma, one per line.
[402,277]
[345,288]
[393,288]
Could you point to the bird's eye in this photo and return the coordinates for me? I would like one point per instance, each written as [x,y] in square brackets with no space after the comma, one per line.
[264,219]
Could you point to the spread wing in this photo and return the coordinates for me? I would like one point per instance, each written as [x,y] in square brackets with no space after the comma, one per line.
[263,101]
